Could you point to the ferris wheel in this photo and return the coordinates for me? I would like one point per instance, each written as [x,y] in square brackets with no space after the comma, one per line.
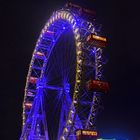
[65,79]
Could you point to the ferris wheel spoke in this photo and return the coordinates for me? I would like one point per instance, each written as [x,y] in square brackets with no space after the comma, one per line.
[61,123]
[54,66]
[70,65]
[54,112]
[57,69]
[63,117]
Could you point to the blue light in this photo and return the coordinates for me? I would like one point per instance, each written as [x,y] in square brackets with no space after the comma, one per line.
[112,139]
[93,51]
[67,88]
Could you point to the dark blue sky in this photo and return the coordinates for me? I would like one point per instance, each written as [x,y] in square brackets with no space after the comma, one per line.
[21,23]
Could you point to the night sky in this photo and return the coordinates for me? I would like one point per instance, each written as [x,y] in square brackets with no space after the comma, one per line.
[21,23]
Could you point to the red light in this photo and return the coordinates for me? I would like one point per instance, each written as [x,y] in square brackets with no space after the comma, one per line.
[33,80]
[50,32]
[39,54]
[28,105]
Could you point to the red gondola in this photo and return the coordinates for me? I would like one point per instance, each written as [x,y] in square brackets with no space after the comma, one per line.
[98,86]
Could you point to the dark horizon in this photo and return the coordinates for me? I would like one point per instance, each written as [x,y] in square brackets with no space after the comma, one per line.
[21,23]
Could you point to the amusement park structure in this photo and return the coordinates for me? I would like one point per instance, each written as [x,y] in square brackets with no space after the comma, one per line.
[65,78]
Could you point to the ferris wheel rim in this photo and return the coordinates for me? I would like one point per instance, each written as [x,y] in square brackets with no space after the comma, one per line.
[69,17]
